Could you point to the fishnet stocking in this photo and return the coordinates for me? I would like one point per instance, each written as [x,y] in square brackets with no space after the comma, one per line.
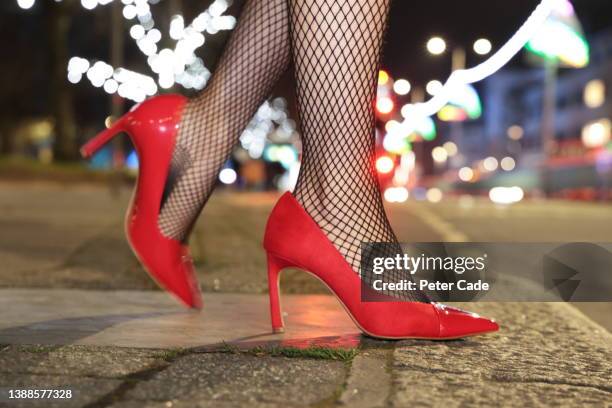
[336,50]
[256,56]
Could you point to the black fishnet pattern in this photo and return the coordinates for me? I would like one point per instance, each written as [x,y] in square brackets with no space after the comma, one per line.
[336,49]
[257,54]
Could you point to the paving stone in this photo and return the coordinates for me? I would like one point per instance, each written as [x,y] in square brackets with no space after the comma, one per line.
[77,361]
[545,354]
[434,389]
[242,378]
[147,319]
[369,381]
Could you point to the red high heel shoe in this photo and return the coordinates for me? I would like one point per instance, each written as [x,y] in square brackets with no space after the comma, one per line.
[153,126]
[292,238]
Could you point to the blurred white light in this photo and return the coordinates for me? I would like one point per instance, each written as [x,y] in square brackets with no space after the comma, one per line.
[433,87]
[451,148]
[434,195]
[396,194]
[25,4]
[595,93]
[439,154]
[507,163]
[596,134]
[166,81]
[177,27]
[223,23]
[137,32]
[490,163]
[228,176]
[401,87]
[129,12]
[482,46]
[391,125]
[288,180]
[111,86]
[466,174]
[89,4]
[154,35]
[74,77]
[146,46]
[506,195]
[80,65]
[401,175]
[515,132]
[436,45]
[143,9]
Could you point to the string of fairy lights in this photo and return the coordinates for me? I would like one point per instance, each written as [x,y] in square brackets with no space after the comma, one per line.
[170,66]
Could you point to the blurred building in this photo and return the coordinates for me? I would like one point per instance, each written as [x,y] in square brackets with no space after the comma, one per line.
[512,122]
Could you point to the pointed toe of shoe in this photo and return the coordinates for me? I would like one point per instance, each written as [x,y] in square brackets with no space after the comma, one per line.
[183,286]
[192,300]
[168,262]
[456,323]
[183,283]
[192,296]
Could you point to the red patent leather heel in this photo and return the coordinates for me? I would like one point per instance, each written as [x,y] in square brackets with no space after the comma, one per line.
[95,144]
[293,238]
[153,127]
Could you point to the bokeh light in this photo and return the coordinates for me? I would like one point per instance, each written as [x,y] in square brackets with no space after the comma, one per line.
[401,87]
[384,105]
[436,45]
[507,163]
[597,133]
[384,164]
[434,195]
[396,194]
[433,87]
[228,176]
[515,132]
[25,4]
[466,174]
[451,148]
[383,77]
[439,154]
[595,93]
[482,46]
[506,195]
[490,163]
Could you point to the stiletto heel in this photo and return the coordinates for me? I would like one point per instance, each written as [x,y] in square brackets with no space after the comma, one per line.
[293,238]
[102,138]
[153,126]
[274,267]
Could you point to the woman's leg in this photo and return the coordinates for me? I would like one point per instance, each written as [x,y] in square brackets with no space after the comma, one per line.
[336,50]
[257,54]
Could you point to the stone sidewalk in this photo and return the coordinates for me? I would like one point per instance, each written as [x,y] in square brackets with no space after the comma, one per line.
[546,354]
[136,348]
[149,319]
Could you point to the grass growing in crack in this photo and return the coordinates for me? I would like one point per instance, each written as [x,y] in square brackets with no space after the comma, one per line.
[172,354]
[315,352]
[36,348]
